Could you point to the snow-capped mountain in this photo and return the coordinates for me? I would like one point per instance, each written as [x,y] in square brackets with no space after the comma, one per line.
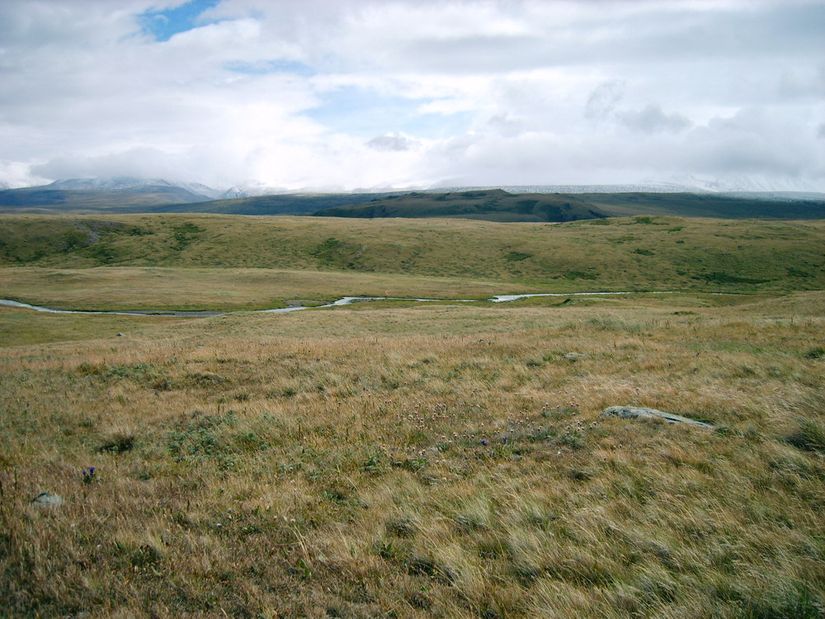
[116,183]
[134,184]
[201,189]
[111,192]
[129,189]
[131,183]
[251,189]
[235,192]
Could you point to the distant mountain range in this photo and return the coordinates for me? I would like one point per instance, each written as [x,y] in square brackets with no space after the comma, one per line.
[127,188]
[516,203]
[82,194]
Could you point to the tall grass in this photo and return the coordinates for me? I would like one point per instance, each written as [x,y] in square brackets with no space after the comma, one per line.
[424,461]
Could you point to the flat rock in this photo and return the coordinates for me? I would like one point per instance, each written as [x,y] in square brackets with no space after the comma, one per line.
[574,356]
[640,412]
[47,499]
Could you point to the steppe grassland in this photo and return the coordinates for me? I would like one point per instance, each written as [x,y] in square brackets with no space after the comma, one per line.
[225,289]
[438,257]
[418,461]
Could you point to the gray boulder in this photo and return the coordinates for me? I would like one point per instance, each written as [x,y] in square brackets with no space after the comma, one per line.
[639,412]
[47,499]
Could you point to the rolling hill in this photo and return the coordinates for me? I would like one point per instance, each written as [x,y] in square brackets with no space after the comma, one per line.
[493,204]
[499,205]
[277,204]
[743,206]
[129,195]
[639,253]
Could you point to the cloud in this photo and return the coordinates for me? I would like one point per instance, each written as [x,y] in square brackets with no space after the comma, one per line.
[755,142]
[17,174]
[651,119]
[311,93]
[138,162]
[604,98]
[506,125]
[390,143]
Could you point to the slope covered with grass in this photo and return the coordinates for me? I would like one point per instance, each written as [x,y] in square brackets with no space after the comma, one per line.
[492,205]
[485,204]
[705,205]
[620,254]
[498,205]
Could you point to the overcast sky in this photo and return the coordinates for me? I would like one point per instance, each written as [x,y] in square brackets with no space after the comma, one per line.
[345,94]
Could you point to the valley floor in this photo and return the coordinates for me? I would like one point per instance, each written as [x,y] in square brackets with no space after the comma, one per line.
[431,460]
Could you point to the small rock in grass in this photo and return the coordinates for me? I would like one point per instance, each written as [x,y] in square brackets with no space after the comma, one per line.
[47,499]
[639,412]
[121,334]
[573,356]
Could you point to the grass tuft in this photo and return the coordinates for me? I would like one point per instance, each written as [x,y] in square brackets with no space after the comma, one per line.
[809,435]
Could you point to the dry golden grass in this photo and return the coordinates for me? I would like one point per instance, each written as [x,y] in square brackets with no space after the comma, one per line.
[159,288]
[420,461]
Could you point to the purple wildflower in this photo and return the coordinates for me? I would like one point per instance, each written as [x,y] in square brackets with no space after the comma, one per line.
[88,474]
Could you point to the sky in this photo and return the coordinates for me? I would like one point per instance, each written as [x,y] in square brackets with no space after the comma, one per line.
[366,94]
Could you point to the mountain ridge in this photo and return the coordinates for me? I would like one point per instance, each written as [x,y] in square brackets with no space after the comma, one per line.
[542,203]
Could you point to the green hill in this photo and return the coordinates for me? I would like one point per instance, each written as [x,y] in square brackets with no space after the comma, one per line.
[705,205]
[498,205]
[640,253]
[485,204]
[277,204]
[493,204]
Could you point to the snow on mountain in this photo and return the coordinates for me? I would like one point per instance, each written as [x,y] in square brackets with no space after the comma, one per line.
[746,184]
[780,188]
[117,183]
[234,192]
[130,183]
[251,189]
[202,190]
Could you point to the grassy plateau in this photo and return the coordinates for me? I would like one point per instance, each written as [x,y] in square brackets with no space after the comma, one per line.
[394,459]
[207,262]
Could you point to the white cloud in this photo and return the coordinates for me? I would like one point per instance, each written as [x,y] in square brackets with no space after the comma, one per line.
[365,93]
[604,99]
[652,119]
[391,143]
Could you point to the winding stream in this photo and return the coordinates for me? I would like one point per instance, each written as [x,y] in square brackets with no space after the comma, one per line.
[500,298]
